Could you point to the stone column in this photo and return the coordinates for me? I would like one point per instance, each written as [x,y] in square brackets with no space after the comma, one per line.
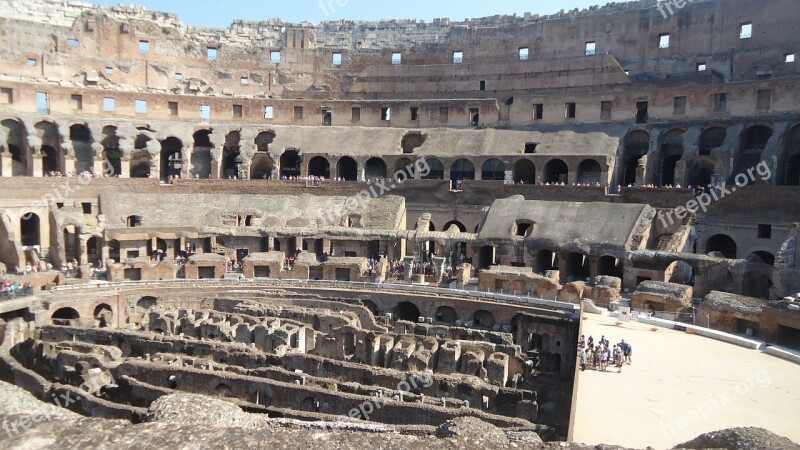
[438,263]
[6,161]
[125,168]
[594,266]
[563,261]
[408,260]
[37,162]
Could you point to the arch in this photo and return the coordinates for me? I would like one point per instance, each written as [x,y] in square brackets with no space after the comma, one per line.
[753,143]
[371,306]
[16,145]
[486,257]
[319,167]
[454,223]
[140,164]
[51,162]
[546,260]
[65,317]
[609,266]
[462,169]
[290,164]
[406,311]
[114,250]
[103,316]
[263,140]
[200,160]
[261,167]
[589,172]
[524,172]
[637,145]
[445,314]
[578,267]
[375,169]
[403,168]
[762,257]
[556,171]
[112,156]
[52,156]
[232,159]
[145,303]
[711,138]
[72,238]
[171,158]
[93,250]
[789,159]
[700,172]
[670,153]
[722,244]
[223,390]
[483,318]
[347,168]
[81,138]
[493,170]
[756,284]
[30,230]
[436,171]
[411,141]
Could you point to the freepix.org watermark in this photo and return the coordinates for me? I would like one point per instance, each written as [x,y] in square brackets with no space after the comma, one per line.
[328,7]
[715,194]
[378,401]
[670,7]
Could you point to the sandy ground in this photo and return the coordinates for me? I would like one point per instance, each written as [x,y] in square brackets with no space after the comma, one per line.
[680,386]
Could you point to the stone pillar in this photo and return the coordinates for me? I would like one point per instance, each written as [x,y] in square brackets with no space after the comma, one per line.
[594,266]
[563,260]
[105,254]
[6,161]
[98,167]
[572,177]
[362,173]
[409,261]
[38,163]
[438,263]
[125,168]
[680,173]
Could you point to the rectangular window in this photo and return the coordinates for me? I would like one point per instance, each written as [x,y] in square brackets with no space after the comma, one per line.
[77,101]
[605,110]
[212,53]
[746,31]
[42,103]
[789,58]
[663,41]
[483,85]
[7,96]
[205,113]
[109,104]
[298,113]
[275,57]
[132,254]
[570,110]
[444,114]
[414,113]
[244,80]
[73,43]
[238,111]
[337,59]
[530,148]
[591,48]
[701,67]
[269,112]
[523,54]
[397,58]
[641,112]
[144,47]
[458,57]
[763,99]
[173,108]
[355,114]
[87,208]
[141,106]
[386,114]
[679,106]
[765,231]
[32,62]
[720,102]
[179,76]
[538,111]
[109,71]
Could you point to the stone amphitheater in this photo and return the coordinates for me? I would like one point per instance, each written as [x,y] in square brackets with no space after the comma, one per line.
[392,234]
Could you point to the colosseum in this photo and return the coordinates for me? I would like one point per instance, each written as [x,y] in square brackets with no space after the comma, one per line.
[396,228]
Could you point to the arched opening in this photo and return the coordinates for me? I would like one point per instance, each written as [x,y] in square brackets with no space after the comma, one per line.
[670,153]
[103,316]
[319,167]
[52,156]
[609,266]
[406,311]
[454,226]
[578,268]
[140,163]
[700,173]
[81,139]
[556,171]
[67,317]
[523,228]
[16,145]
[50,160]
[680,272]
[712,138]
[462,169]
[589,172]
[371,306]
[436,170]
[93,251]
[411,141]
[201,160]
[290,164]
[722,244]
[145,303]
[232,159]
[72,238]
[525,172]
[756,284]
[29,226]
[637,144]
[446,314]
[263,140]
[114,250]
[347,168]
[375,169]
[762,257]
[483,319]
[112,156]
[546,260]
[404,169]
[486,258]
[171,158]
[493,170]
[790,159]
[223,390]
[261,167]
[159,249]
[754,142]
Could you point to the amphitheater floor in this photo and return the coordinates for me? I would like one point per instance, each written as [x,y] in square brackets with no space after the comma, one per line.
[680,386]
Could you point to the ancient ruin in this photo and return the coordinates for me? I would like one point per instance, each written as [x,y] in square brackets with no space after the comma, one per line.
[393,223]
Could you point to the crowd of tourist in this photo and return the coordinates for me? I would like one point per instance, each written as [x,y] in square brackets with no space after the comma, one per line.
[554,183]
[11,290]
[599,355]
